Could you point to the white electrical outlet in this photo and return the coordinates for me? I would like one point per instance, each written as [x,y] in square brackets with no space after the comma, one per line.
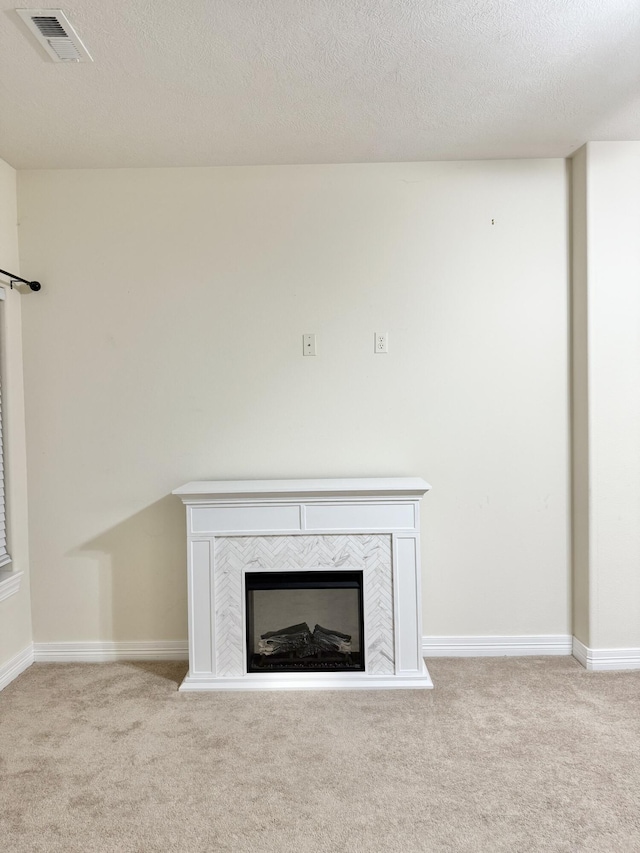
[381,342]
[308,345]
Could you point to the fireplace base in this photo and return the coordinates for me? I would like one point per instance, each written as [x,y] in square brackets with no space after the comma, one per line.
[310,681]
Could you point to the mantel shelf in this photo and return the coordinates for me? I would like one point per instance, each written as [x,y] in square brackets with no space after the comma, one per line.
[384,487]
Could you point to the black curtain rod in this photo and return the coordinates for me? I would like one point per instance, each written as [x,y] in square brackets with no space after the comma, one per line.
[34,285]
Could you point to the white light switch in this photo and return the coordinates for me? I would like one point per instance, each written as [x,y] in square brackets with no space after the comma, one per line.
[308,345]
[381,342]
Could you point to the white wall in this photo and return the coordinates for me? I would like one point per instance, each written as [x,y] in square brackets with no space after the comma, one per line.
[15,612]
[166,346]
[609,414]
[580,397]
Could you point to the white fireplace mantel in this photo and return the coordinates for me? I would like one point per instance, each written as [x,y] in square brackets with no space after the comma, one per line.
[370,525]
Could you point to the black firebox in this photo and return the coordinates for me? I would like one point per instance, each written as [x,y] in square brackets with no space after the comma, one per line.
[304,621]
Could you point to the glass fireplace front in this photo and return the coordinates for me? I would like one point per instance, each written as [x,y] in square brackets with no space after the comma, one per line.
[304,621]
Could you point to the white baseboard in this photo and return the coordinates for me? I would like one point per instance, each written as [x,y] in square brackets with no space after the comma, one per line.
[543,644]
[14,667]
[103,652]
[598,660]
[475,647]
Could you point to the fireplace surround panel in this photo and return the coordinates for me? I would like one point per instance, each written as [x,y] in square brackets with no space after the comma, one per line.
[234,556]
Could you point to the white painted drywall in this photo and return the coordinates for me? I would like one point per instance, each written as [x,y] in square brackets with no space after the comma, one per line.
[166,346]
[15,612]
[609,280]
[580,397]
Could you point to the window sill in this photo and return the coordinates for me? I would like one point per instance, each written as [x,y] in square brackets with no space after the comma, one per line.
[9,583]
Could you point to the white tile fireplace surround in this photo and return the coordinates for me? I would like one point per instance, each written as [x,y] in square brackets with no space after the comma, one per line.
[366,529]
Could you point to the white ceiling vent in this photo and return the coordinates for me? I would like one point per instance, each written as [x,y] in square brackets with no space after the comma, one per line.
[55,34]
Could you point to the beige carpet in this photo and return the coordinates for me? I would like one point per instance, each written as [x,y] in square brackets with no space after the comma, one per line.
[531,754]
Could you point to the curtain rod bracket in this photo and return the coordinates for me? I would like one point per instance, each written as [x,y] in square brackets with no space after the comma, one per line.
[15,279]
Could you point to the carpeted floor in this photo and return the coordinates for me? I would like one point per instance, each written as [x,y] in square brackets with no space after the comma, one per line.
[506,754]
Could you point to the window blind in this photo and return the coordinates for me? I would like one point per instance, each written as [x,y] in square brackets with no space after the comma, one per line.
[4,553]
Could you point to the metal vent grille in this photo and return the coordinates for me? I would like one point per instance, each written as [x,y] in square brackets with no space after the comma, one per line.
[54,32]
[65,50]
[49,26]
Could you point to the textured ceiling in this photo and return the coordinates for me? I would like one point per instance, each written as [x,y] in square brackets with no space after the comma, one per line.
[211,82]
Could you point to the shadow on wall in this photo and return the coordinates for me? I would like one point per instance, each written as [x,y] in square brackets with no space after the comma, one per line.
[142,575]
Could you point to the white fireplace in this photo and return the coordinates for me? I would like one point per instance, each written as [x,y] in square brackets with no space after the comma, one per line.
[356,540]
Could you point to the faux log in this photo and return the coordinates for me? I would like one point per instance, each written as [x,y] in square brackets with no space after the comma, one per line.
[332,641]
[298,640]
[285,640]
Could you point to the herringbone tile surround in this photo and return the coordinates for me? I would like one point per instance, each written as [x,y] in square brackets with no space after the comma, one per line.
[369,553]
